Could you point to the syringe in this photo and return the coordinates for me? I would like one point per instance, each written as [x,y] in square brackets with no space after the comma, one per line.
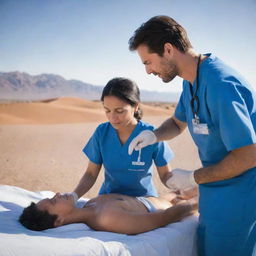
[138,162]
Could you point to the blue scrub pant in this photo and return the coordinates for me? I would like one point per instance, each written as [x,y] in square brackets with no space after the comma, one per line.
[227,222]
[216,245]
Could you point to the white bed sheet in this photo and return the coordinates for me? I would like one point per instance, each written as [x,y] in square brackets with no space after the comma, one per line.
[177,239]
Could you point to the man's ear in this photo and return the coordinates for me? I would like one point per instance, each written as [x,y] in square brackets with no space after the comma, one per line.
[168,49]
[58,222]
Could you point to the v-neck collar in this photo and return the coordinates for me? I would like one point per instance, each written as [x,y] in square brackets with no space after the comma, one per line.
[129,138]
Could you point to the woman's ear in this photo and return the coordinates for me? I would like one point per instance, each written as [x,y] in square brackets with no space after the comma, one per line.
[136,107]
[58,222]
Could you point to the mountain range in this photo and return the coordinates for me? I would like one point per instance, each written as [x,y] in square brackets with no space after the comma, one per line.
[19,86]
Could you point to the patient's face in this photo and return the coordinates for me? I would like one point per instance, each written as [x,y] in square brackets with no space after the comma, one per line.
[59,204]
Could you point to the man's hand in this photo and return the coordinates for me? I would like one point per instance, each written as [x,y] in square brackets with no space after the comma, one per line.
[181,180]
[144,139]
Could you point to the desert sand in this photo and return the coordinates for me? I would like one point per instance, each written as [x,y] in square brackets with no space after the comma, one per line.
[41,143]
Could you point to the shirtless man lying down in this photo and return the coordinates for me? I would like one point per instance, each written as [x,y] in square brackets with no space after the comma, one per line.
[110,212]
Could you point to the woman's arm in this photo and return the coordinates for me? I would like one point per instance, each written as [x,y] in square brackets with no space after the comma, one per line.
[164,173]
[88,179]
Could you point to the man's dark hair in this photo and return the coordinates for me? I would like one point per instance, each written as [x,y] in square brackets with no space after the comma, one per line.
[156,32]
[125,90]
[34,219]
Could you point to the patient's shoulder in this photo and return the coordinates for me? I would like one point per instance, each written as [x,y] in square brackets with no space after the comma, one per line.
[104,217]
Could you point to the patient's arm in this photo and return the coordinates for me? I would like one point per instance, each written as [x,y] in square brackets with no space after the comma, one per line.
[121,221]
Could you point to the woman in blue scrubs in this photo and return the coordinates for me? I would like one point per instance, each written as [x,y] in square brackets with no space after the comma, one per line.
[219,108]
[108,147]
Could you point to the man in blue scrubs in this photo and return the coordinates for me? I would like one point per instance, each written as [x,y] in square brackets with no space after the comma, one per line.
[219,108]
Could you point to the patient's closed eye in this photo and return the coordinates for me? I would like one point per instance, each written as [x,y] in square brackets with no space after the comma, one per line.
[52,201]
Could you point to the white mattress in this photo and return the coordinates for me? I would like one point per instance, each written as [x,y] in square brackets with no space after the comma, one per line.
[177,239]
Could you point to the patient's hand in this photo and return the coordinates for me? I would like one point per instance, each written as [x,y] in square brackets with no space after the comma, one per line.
[194,203]
[189,195]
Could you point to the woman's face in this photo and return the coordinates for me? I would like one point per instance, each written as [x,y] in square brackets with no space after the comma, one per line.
[59,205]
[119,113]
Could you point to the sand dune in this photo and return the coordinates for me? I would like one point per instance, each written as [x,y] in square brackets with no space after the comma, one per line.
[43,150]
[63,110]
[66,110]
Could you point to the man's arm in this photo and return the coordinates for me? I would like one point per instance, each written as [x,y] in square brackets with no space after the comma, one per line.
[170,129]
[126,222]
[234,164]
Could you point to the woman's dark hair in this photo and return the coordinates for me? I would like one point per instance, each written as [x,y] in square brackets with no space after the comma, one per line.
[34,219]
[156,32]
[125,90]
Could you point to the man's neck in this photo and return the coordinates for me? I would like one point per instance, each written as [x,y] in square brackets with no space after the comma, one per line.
[79,215]
[187,63]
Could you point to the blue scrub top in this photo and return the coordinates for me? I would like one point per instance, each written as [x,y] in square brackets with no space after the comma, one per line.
[104,147]
[228,107]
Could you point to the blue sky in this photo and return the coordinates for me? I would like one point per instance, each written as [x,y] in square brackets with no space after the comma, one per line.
[88,39]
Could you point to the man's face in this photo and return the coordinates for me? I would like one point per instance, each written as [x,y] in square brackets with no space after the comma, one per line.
[164,67]
[58,205]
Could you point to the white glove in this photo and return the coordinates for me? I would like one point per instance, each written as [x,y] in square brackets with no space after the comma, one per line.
[75,196]
[181,180]
[145,138]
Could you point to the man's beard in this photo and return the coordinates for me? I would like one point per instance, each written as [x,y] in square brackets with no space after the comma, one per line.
[170,71]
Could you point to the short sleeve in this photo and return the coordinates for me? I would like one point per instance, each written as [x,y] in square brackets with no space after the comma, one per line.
[162,154]
[92,148]
[230,113]
[180,112]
